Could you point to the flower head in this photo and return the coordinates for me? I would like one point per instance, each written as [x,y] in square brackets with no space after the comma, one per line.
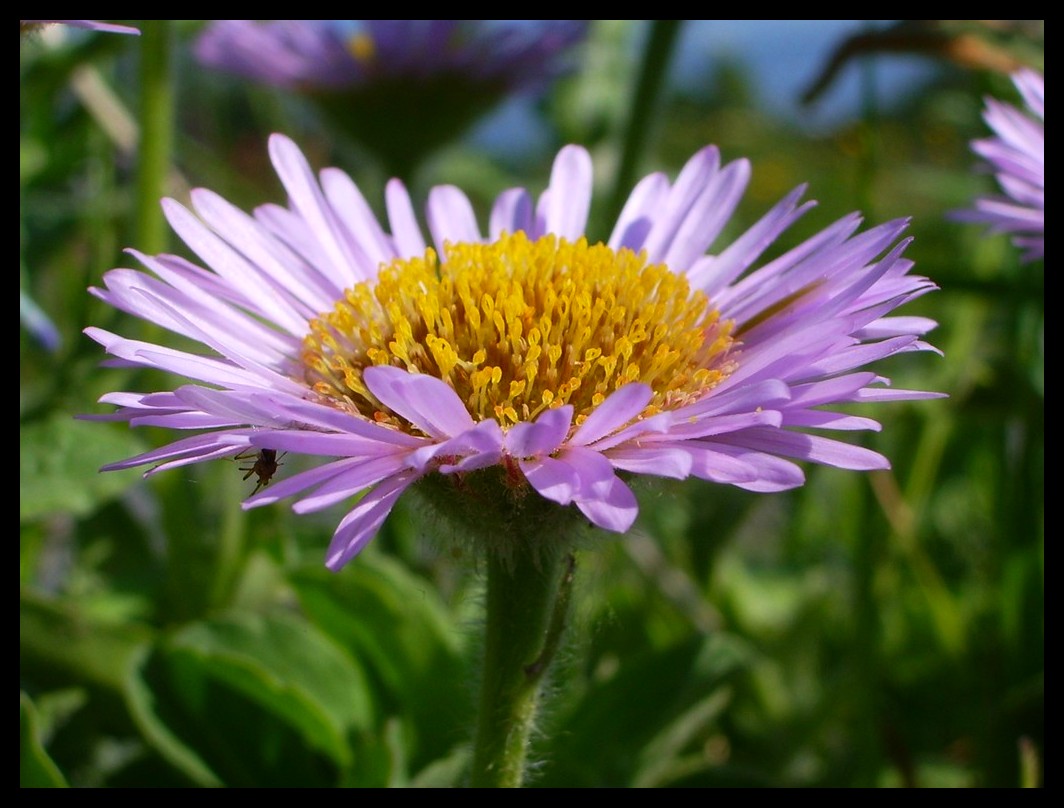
[401,87]
[556,365]
[338,54]
[1017,156]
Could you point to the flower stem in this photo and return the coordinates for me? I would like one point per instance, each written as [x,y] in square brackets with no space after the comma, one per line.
[527,604]
[156,132]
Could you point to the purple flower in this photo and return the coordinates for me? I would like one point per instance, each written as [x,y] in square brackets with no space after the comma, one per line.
[1017,156]
[339,54]
[403,88]
[91,25]
[564,366]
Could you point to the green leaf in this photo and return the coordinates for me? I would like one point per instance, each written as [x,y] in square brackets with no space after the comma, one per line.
[59,465]
[393,621]
[663,759]
[603,742]
[57,640]
[35,768]
[447,772]
[252,700]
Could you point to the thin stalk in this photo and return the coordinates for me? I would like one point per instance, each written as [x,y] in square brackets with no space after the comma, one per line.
[527,604]
[156,133]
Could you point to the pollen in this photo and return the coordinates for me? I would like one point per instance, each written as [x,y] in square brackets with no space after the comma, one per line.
[517,326]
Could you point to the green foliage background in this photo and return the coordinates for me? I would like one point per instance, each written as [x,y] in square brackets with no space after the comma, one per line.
[865,630]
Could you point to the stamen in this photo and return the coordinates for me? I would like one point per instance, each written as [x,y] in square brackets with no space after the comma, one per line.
[517,326]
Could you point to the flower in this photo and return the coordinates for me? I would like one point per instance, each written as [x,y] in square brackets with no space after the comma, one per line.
[401,87]
[334,54]
[91,25]
[1017,156]
[560,365]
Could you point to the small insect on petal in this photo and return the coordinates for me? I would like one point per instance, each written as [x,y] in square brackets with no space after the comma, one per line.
[265,466]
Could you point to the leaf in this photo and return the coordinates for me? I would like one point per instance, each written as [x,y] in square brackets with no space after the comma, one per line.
[56,638]
[447,772]
[35,768]
[603,741]
[394,623]
[252,700]
[663,759]
[59,465]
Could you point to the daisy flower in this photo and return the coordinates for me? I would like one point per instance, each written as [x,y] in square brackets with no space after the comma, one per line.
[400,87]
[1017,157]
[529,363]
[336,54]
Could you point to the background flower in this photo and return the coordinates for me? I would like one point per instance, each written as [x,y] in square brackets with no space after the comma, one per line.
[556,361]
[1016,155]
[401,87]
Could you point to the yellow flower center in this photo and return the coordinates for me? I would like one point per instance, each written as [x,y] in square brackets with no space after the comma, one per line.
[517,326]
[362,47]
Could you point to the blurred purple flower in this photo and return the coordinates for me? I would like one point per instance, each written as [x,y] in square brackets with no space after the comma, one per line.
[1017,157]
[555,367]
[401,87]
[339,54]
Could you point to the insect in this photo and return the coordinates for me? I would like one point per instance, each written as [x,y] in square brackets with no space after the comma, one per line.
[265,466]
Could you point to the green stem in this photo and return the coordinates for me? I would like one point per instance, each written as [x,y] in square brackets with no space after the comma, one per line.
[527,603]
[652,72]
[156,132]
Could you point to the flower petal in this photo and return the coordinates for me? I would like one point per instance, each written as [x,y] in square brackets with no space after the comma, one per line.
[553,479]
[426,402]
[451,218]
[364,520]
[620,407]
[409,241]
[542,436]
[564,206]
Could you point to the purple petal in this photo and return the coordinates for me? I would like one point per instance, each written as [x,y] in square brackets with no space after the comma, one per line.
[512,213]
[708,215]
[451,218]
[425,401]
[553,479]
[569,195]
[478,447]
[656,461]
[306,198]
[696,174]
[409,241]
[620,407]
[823,419]
[812,448]
[744,467]
[594,471]
[350,481]
[614,509]
[358,218]
[196,447]
[637,217]
[310,478]
[543,436]
[319,443]
[364,520]
[712,273]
